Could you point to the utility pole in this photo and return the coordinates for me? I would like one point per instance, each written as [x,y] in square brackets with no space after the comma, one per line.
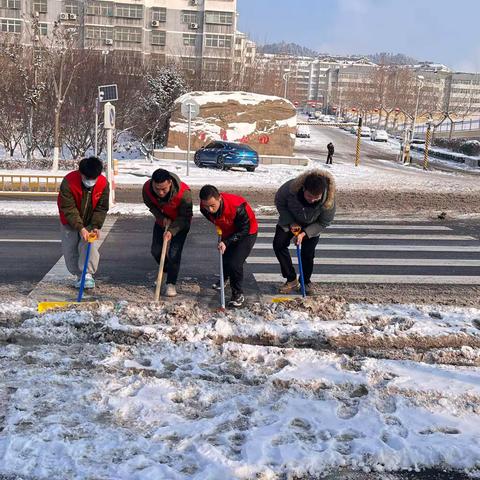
[420,86]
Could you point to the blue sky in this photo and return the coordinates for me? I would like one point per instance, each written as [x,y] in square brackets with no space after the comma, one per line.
[444,31]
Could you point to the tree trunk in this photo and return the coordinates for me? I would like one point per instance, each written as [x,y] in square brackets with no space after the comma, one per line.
[387,118]
[450,133]
[56,148]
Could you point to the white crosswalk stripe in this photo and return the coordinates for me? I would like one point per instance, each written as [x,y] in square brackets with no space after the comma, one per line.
[380,236]
[382,251]
[346,226]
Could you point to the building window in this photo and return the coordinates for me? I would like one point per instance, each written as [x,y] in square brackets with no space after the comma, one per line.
[189,39]
[10,26]
[189,63]
[128,11]
[127,34]
[11,4]
[98,33]
[40,6]
[159,14]
[159,37]
[189,16]
[220,18]
[100,9]
[218,41]
[216,64]
[71,8]
[43,28]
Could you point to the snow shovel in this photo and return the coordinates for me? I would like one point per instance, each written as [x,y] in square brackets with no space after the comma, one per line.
[296,231]
[222,281]
[158,286]
[44,306]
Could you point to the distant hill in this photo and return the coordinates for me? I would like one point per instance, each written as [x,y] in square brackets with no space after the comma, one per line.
[384,58]
[287,49]
[294,49]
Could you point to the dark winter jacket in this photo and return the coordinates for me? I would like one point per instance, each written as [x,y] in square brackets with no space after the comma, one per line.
[86,216]
[331,148]
[293,208]
[184,210]
[235,218]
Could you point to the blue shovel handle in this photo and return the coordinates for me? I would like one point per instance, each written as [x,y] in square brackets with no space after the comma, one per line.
[222,281]
[300,271]
[84,273]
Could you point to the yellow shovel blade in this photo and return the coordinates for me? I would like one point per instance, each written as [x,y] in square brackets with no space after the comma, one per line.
[282,299]
[45,306]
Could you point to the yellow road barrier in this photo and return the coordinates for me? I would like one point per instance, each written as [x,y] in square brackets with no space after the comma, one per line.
[23,184]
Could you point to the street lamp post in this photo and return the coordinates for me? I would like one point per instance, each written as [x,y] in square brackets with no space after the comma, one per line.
[420,86]
[286,74]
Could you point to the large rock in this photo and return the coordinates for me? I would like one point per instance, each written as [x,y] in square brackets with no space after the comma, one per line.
[265,123]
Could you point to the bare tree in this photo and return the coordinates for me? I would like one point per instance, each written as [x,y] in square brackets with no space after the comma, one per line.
[155,105]
[63,62]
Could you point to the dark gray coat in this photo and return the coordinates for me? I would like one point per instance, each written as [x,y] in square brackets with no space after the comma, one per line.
[312,218]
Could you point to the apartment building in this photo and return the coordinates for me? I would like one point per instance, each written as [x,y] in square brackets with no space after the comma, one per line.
[243,62]
[197,34]
[283,74]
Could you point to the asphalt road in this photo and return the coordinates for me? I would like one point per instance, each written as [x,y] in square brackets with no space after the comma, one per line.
[351,252]
[372,153]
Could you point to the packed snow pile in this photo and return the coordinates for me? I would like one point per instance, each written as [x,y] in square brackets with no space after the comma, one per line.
[127,391]
[265,123]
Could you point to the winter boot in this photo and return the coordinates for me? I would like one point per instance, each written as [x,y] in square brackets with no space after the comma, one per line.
[170,290]
[89,281]
[236,301]
[289,287]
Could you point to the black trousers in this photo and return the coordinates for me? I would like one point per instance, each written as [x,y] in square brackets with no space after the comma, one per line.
[281,241]
[234,260]
[174,251]
[330,159]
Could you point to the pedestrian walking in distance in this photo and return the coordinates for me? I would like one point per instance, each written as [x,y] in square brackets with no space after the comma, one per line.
[83,205]
[169,200]
[331,151]
[306,202]
[235,218]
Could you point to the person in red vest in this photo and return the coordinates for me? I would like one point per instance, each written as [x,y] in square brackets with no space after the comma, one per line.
[235,218]
[83,205]
[169,200]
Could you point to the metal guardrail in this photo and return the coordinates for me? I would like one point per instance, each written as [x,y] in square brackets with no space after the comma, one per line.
[462,125]
[329,124]
[23,184]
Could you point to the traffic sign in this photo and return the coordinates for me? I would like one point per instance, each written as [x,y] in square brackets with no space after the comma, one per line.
[109,116]
[190,108]
[107,93]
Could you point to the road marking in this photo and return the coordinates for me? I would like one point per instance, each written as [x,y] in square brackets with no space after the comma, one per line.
[59,273]
[340,226]
[440,262]
[384,248]
[383,236]
[398,279]
[27,240]
[348,218]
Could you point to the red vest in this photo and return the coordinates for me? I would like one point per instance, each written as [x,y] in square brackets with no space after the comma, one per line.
[74,180]
[169,209]
[226,220]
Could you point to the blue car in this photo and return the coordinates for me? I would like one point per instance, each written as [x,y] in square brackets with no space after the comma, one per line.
[225,155]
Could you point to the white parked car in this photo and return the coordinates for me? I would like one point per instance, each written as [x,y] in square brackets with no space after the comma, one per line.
[366,132]
[303,131]
[379,136]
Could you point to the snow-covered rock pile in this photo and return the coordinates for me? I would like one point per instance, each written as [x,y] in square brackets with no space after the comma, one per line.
[265,123]
[176,391]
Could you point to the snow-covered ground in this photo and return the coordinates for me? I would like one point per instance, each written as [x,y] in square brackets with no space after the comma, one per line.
[178,392]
